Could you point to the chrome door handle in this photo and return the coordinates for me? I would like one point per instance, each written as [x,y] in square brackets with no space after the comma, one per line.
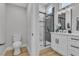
[32,34]
[74,39]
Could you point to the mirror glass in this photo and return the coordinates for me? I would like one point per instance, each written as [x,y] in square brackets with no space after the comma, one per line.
[77,21]
[61,21]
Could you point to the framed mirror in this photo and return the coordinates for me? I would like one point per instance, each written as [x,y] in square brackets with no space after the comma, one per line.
[61,20]
[65,20]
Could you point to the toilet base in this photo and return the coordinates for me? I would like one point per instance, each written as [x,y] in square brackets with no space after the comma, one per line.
[17,51]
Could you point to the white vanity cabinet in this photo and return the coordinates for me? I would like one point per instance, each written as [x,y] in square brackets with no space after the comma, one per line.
[65,44]
[59,43]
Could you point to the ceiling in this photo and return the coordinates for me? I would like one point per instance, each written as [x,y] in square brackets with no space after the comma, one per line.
[44,4]
[25,4]
[20,4]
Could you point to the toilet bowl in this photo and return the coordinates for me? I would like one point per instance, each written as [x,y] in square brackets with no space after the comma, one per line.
[17,43]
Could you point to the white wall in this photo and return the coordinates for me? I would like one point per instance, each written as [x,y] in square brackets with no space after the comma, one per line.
[24,5]
[75,14]
[2,23]
[29,32]
[32,17]
[16,23]
[2,27]
[42,7]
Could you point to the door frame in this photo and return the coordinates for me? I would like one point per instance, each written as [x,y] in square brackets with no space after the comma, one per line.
[35,30]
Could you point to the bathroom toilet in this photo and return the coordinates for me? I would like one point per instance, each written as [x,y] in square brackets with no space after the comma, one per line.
[17,43]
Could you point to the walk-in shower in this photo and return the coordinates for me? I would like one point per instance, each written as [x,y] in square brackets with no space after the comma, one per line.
[46,21]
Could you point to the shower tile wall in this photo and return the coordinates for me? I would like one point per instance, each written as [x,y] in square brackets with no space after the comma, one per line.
[42,30]
[42,26]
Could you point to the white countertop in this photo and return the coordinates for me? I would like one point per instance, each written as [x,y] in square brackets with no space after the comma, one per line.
[69,34]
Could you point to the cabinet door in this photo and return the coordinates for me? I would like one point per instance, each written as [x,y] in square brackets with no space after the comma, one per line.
[55,42]
[63,45]
[59,43]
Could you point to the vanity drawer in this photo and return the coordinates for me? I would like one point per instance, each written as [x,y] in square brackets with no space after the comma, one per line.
[74,42]
[73,53]
[75,48]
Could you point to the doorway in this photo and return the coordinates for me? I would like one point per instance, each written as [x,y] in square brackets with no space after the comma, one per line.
[49,25]
[46,21]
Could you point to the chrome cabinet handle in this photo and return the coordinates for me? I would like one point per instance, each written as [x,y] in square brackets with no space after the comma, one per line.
[74,46]
[74,39]
[41,21]
[57,41]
